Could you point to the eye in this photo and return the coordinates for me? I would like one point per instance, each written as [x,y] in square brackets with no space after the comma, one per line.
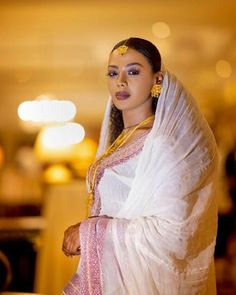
[112,74]
[133,72]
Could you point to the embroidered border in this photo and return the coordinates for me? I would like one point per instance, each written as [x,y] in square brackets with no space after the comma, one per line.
[118,157]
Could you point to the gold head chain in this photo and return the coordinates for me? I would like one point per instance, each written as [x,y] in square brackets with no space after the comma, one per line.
[122,48]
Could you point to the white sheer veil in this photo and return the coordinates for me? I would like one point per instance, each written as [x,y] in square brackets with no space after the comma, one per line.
[162,240]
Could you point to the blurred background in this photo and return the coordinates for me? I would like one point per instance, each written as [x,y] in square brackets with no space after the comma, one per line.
[53,57]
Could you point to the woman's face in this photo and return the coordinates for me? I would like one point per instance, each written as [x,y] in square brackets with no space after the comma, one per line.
[130,79]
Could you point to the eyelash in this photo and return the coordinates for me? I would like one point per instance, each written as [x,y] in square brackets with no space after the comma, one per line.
[131,72]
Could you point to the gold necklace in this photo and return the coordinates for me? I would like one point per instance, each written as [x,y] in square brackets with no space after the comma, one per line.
[120,141]
[131,126]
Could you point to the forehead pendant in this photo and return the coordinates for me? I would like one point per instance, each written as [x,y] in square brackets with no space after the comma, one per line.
[122,49]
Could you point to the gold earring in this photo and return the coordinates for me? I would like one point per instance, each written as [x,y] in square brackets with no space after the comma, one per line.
[156,90]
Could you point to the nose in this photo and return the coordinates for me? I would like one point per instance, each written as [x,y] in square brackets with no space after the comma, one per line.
[121,81]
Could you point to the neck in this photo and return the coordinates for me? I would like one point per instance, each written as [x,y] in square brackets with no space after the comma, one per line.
[133,119]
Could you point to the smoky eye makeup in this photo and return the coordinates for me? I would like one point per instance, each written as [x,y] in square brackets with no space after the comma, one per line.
[111,73]
[133,71]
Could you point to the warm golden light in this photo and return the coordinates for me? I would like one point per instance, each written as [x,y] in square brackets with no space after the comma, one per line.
[62,135]
[83,155]
[56,174]
[223,69]
[85,150]
[64,153]
[230,93]
[46,110]
[1,156]
[161,30]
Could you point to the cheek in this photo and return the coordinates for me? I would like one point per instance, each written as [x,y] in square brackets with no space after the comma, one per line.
[144,84]
[110,86]
[144,88]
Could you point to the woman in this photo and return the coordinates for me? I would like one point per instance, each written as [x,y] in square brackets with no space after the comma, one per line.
[153,219]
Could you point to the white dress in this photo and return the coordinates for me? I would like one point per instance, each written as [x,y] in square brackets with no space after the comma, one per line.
[118,179]
[155,213]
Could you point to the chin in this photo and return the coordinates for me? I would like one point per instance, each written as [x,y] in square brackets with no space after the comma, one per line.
[120,105]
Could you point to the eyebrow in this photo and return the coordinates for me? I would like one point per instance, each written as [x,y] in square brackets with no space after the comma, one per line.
[128,65]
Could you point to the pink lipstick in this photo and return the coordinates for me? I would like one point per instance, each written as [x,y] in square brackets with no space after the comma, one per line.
[122,95]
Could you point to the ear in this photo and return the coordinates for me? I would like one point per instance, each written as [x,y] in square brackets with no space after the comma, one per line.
[158,78]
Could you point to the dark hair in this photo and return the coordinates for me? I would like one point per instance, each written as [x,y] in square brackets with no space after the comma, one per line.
[148,50]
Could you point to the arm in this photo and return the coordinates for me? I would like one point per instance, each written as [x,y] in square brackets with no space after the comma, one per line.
[71,240]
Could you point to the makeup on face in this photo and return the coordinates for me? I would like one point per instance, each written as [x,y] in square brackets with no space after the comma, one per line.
[122,95]
[130,79]
[131,69]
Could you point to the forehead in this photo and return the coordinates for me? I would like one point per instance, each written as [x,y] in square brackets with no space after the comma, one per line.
[131,56]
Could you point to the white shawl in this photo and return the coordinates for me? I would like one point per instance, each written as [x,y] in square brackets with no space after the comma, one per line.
[162,240]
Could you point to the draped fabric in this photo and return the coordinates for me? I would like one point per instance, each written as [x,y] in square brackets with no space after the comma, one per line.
[89,278]
[161,237]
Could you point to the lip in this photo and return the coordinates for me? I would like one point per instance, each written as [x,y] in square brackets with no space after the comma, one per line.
[122,95]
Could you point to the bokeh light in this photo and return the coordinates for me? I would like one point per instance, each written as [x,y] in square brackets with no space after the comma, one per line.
[223,69]
[47,110]
[161,30]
